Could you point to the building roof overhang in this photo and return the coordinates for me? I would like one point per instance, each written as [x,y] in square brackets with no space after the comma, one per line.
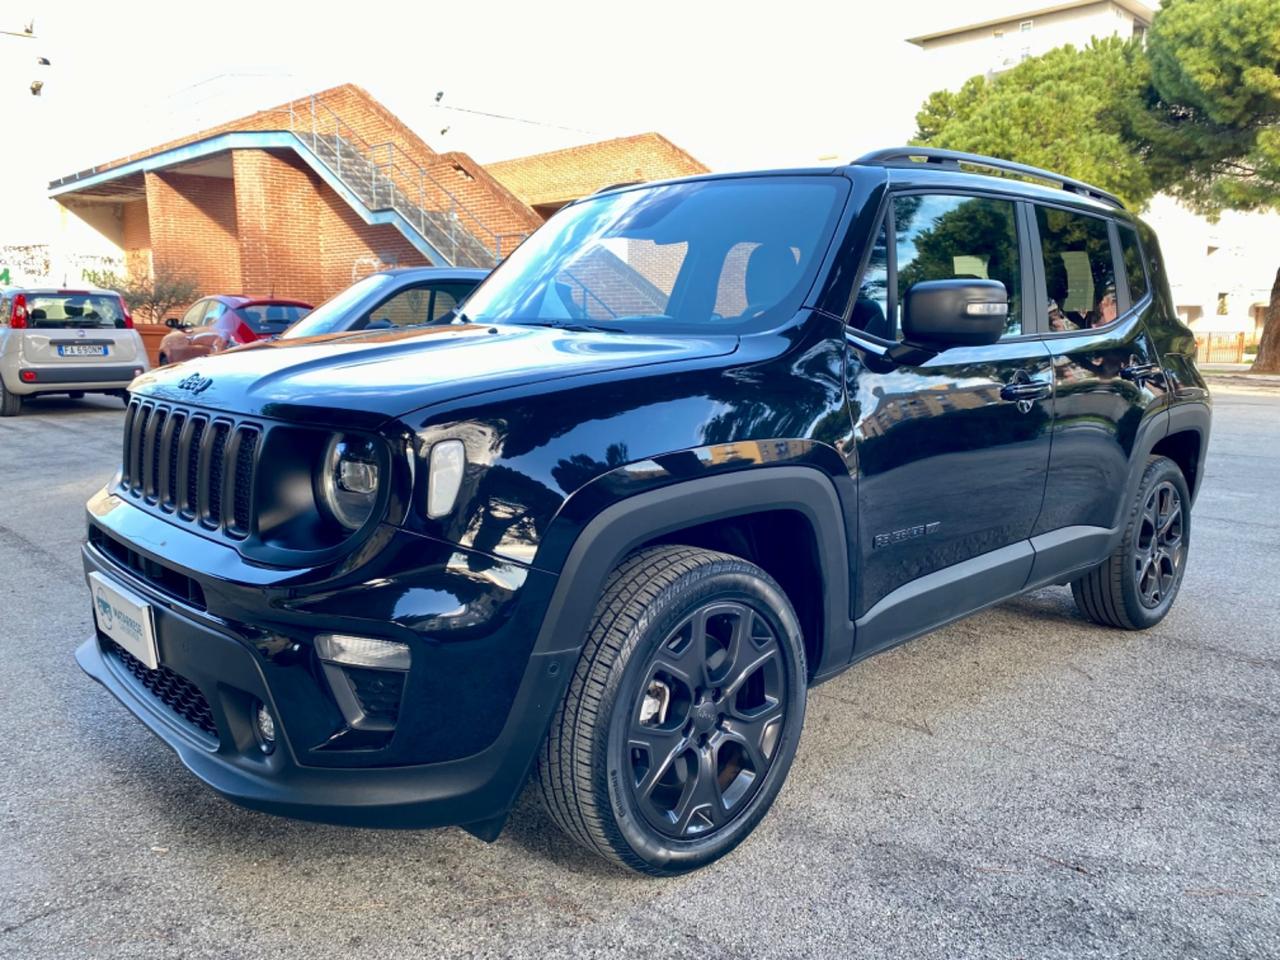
[1140,10]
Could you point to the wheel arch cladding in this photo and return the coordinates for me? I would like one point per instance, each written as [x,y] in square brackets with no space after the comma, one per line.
[700,508]
[1185,448]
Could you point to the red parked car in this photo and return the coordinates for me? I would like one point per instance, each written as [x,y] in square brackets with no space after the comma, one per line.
[214,324]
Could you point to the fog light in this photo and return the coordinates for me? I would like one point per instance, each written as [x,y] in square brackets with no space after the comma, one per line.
[28,376]
[266,729]
[363,651]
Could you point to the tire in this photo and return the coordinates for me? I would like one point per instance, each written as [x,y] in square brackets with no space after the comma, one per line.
[10,403]
[666,753]
[1136,586]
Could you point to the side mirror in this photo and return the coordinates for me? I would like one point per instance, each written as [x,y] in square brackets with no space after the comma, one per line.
[954,313]
[173,323]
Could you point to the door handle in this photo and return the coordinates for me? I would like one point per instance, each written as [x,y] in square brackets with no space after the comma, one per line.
[1140,372]
[1025,391]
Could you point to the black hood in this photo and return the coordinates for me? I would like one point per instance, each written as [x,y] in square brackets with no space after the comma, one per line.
[367,378]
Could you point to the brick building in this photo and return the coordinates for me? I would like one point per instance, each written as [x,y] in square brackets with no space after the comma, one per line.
[547,181]
[301,199]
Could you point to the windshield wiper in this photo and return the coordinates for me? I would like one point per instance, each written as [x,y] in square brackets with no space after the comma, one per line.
[572,326]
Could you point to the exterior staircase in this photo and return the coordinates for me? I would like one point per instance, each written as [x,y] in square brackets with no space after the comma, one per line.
[384,178]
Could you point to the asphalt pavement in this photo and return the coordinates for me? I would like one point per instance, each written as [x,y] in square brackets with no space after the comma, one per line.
[1020,784]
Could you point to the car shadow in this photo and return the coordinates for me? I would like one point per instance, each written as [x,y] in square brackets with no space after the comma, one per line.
[63,406]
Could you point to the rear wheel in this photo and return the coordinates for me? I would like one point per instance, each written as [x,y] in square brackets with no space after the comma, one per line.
[683,715]
[10,403]
[1135,587]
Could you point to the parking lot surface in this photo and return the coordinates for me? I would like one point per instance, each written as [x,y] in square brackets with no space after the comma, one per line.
[1020,784]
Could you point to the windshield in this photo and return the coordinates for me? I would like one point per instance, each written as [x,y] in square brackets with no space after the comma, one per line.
[269,318]
[335,314]
[74,311]
[708,256]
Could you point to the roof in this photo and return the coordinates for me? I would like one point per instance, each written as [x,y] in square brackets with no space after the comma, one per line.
[438,273]
[295,113]
[58,291]
[560,176]
[1005,13]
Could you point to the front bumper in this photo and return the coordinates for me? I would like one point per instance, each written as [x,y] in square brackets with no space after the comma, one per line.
[234,666]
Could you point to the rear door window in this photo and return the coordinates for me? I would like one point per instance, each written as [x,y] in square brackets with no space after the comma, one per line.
[215,310]
[269,318]
[1079,269]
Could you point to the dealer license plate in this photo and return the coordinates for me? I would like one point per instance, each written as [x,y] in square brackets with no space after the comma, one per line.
[124,617]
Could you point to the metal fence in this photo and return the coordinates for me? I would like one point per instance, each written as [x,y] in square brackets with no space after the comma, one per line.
[1220,347]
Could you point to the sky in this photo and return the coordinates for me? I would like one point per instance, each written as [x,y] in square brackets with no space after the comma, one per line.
[738,84]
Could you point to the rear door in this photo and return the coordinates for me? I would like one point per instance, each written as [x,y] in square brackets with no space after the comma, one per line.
[65,327]
[1109,385]
[952,448]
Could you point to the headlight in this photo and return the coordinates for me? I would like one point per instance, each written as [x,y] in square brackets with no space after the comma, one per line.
[348,481]
[448,463]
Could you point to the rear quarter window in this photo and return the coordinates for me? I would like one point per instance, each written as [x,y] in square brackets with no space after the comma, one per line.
[1135,270]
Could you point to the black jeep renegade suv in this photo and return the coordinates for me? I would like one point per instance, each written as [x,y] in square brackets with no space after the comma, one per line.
[694,448]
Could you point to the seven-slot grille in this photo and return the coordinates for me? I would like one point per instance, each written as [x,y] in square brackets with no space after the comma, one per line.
[198,466]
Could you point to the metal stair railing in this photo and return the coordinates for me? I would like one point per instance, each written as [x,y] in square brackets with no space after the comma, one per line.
[437,215]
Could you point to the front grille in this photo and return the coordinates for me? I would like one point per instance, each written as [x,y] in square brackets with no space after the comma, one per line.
[198,467]
[172,689]
[212,513]
[160,577]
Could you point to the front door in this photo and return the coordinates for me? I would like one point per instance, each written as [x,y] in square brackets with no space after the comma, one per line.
[951,450]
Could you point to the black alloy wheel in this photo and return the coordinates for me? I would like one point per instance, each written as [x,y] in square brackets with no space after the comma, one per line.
[1158,554]
[706,722]
[1134,588]
[683,715]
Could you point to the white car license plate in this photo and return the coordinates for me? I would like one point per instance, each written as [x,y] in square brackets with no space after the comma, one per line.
[81,350]
[124,617]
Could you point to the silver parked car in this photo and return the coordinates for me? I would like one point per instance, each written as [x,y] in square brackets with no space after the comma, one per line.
[65,341]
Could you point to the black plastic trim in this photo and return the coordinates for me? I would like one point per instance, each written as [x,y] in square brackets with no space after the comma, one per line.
[620,528]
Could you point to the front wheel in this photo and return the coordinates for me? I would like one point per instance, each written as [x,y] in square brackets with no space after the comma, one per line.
[1135,587]
[683,715]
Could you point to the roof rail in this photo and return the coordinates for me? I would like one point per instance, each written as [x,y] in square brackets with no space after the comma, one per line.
[952,159]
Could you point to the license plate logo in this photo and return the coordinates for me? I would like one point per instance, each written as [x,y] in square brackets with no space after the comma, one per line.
[125,618]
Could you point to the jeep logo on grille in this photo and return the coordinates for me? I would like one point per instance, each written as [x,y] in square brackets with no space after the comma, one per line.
[196,383]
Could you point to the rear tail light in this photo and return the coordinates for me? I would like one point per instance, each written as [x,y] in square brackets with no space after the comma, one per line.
[128,317]
[18,316]
[242,333]
[28,376]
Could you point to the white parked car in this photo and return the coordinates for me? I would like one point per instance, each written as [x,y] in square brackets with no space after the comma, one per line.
[65,341]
